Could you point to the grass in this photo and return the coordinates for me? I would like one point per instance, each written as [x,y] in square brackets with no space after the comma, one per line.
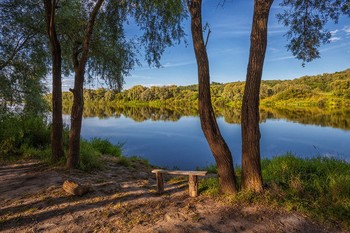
[105,147]
[89,157]
[23,136]
[130,161]
[318,187]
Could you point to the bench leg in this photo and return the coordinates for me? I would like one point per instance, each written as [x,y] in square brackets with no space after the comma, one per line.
[193,185]
[160,182]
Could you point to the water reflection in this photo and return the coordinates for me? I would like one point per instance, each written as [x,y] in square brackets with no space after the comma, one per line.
[172,137]
[336,118]
[182,144]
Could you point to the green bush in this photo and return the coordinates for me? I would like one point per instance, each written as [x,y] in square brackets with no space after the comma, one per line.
[22,131]
[89,157]
[209,186]
[28,152]
[105,147]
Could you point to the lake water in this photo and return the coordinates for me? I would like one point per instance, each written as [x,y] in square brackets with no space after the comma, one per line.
[181,144]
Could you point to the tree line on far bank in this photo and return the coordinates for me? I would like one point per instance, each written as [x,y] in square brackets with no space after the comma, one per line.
[326,90]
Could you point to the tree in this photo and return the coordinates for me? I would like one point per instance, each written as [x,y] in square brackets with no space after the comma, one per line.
[56,100]
[306,20]
[102,50]
[23,57]
[80,57]
[251,168]
[207,117]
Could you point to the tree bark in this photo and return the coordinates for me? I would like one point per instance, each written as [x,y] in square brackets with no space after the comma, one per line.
[57,121]
[251,167]
[217,144]
[79,62]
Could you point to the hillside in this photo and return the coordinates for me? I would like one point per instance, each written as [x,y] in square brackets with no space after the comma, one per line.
[326,90]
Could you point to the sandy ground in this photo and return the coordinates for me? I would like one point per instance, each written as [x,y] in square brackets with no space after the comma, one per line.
[123,199]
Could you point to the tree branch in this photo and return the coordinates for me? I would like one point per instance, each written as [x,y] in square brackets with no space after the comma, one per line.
[209,31]
[88,32]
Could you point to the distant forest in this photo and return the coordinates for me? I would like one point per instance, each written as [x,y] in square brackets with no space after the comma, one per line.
[326,90]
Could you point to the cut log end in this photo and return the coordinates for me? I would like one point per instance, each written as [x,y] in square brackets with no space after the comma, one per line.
[74,188]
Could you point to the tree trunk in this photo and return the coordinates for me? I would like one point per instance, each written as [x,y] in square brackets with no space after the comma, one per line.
[76,120]
[80,57]
[207,117]
[57,121]
[251,167]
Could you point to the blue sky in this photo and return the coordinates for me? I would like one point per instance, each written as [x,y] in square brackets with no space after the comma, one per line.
[228,50]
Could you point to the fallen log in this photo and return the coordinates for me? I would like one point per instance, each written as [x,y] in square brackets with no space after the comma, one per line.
[74,188]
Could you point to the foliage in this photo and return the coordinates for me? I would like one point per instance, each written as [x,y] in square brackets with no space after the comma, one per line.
[23,55]
[319,100]
[306,21]
[91,151]
[89,157]
[19,133]
[105,147]
[130,161]
[124,161]
[209,186]
[319,187]
[326,90]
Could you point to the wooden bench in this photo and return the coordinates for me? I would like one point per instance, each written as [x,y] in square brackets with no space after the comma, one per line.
[192,179]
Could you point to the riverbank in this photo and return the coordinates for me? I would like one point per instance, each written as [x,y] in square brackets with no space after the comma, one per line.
[122,198]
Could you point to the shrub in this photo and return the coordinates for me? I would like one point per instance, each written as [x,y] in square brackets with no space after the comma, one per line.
[89,157]
[209,186]
[22,131]
[105,147]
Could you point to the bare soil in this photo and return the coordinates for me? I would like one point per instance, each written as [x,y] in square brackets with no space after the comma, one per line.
[124,199]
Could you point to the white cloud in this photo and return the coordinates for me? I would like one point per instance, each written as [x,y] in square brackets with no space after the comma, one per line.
[177,64]
[281,58]
[346,29]
[334,38]
[334,32]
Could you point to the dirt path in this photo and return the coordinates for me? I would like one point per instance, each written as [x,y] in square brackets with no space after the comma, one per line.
[123,199]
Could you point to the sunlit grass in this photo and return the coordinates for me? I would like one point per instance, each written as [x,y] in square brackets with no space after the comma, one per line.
[318,187]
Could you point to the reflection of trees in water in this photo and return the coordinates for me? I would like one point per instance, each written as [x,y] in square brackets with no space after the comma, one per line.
[339,118]
[336,118]
[140,114]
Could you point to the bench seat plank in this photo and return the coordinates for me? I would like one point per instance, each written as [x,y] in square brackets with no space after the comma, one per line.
[185,173]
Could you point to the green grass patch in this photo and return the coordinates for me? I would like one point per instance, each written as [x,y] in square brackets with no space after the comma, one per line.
[132,160]
[89,157]
[139,160]
[105,147]
[209,186]
[318,187]
[124,161]
[91,151]
[22,136]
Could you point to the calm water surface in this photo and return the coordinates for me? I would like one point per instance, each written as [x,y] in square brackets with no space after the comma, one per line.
[181,144]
